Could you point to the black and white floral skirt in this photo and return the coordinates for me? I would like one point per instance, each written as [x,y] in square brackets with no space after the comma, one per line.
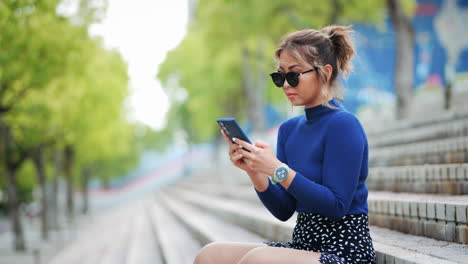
[345,241]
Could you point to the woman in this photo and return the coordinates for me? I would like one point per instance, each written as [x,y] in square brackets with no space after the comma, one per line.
[321,163]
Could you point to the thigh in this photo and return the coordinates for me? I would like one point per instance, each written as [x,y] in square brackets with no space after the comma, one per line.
[224,252]
[277,255]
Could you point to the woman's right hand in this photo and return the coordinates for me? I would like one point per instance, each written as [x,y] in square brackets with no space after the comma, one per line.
[259,180]
[234,155]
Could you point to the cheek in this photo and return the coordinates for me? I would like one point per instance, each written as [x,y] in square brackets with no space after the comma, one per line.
[315,81]
[311,85]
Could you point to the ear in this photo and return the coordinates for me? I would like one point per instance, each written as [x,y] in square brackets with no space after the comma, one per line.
[328,70]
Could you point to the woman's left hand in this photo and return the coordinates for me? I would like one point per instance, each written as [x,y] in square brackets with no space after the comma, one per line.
[261,157]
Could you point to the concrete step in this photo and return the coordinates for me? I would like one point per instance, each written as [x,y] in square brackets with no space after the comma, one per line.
[410,249]
[440,178]
[439,217]
[237,212]
[420,249]
[245,193]
[143,246]
[177,244]
[422,121]
[426,132]
[443,217]
[117,251]
[206,227]
[227,175]
[95,241]
[441,151]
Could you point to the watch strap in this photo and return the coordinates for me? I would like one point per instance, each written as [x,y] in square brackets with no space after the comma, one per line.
[273,180]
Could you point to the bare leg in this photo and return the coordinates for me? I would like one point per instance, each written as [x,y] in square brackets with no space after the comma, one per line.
[224,252]
[276,255]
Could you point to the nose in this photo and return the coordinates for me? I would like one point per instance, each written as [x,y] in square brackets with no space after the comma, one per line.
[286,85]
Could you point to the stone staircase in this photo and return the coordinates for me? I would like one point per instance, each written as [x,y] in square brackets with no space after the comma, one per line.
[243,209]
[439,179]
[123,236]
[418,206]
[418,198]
[419,178]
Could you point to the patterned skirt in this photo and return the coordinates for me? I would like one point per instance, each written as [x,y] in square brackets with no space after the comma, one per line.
[345,241]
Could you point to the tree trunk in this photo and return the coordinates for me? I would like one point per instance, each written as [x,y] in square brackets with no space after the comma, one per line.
[404,76]
[86,174]
[7,146]
[54,205]
[448,95]
[13,210]
[69,156]
[336,10]
[38,159]
[255,96]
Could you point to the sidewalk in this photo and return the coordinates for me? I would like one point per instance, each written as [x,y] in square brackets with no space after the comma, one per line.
[37,250]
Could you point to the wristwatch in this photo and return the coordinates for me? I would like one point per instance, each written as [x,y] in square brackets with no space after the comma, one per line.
[281,173]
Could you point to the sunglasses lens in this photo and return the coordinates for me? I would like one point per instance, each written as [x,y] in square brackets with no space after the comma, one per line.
[292,78]
[278,79]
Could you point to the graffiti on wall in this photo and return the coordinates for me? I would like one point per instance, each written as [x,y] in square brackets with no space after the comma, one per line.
[441,54]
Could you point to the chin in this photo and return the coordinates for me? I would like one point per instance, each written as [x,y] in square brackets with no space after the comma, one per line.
[297,103]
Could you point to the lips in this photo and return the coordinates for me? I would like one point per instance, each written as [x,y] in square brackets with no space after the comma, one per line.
[291,95]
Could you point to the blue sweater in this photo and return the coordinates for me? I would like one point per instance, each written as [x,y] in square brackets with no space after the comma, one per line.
[328,150]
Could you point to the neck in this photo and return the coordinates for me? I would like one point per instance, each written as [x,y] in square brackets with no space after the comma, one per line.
[329,98]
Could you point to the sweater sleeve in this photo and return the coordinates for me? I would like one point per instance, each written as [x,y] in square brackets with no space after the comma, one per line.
[343,153]
[275,198]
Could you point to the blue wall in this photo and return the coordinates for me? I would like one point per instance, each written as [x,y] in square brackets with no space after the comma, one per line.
[372,80]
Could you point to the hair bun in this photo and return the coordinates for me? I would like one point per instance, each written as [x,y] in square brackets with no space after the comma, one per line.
[343,46]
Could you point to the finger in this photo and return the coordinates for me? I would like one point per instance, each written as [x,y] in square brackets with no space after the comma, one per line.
[236,157]
[262,144]
[226,137]
[245,145]
[246,154]
[233,148]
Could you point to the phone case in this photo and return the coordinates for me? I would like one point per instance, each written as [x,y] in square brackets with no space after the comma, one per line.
[232,129]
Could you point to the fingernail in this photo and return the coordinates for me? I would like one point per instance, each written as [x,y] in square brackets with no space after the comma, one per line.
[234,139]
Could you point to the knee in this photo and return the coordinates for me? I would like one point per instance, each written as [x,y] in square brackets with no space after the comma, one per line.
[256,256]
[206,254]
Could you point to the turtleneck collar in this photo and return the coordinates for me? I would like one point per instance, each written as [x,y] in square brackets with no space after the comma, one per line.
[319,110]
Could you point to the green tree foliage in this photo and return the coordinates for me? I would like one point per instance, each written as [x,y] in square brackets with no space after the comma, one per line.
[32,37]
[59,87]
[194,72]
[227,37]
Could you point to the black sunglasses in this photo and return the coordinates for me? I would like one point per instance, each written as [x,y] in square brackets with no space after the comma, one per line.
[292,77]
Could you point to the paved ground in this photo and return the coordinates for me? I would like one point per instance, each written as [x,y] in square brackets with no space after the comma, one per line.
[39,251]
[4,224]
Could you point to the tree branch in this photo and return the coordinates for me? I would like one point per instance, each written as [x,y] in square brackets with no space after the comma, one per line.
[16,97]
[29,152]
[4,109]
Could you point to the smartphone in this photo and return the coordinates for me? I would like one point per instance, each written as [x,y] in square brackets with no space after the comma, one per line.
[232,129]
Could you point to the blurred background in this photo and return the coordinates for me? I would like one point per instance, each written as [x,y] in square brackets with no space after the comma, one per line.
[106,102]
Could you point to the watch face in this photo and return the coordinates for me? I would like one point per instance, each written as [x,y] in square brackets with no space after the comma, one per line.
[281,173]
